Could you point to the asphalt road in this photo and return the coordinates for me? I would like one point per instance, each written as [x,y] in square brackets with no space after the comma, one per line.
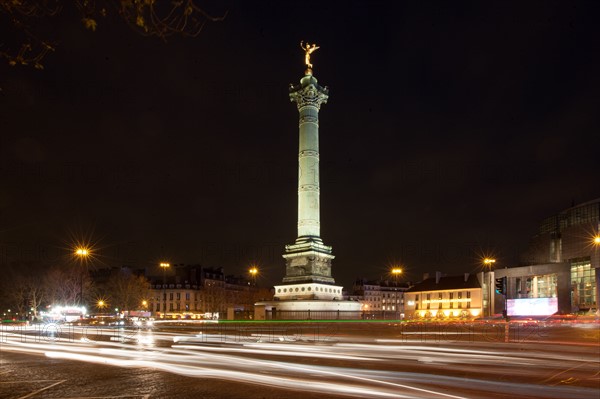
[301,361]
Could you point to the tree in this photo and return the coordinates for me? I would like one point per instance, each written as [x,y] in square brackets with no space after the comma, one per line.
[29,19]
[64,285]
[213,296]
[126,290]
[24,287]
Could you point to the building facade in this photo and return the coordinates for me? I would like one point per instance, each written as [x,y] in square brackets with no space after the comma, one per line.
[199,292]
[550,281]
[445,297]
[380,297]
[571,238]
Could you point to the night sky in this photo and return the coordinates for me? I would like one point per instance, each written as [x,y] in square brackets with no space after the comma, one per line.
[452,129]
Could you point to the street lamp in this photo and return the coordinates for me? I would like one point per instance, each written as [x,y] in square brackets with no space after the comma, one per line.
[489,264]
[597,240]
[101,304]
[253,272]
[82,253]
[164,266]
[396,272]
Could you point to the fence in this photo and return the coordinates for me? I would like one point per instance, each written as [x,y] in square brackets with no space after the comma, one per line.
[330,315]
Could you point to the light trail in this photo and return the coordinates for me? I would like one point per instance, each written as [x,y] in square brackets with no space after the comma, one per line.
[376,369]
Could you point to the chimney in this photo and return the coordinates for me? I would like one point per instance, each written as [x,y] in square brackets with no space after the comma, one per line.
[438,275]
[466,277]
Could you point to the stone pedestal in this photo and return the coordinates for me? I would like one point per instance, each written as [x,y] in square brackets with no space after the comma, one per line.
[308,262]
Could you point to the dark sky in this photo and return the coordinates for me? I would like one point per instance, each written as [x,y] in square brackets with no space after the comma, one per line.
[452,130]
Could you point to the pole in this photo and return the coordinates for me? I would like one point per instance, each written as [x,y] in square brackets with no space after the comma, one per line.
[83,271]
[396,295]
[164,266]
[164,298]
[81,287]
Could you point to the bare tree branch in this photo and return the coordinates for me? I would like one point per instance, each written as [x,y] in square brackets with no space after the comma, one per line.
[160,18]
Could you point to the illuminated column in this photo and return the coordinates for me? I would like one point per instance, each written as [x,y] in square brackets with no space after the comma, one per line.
[308,96]
[308,260]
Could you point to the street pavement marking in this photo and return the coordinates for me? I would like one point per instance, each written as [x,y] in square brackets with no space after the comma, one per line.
[56,382]
[106,397]
[28,381]
[42,389]
[562,372]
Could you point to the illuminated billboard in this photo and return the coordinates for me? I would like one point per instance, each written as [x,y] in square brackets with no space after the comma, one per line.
[532,306]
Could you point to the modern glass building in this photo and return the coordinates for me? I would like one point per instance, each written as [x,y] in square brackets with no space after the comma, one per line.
[562,261]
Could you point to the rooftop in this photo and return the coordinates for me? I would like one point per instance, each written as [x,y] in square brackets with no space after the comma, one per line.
[447,283]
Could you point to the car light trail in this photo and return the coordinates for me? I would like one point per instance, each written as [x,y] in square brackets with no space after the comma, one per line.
[380,368]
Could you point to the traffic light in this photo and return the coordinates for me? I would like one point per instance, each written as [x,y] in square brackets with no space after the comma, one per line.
[501,285]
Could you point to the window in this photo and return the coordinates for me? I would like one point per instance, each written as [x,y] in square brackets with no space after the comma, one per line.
[544,286]
[170,296]
[187,296]
[583,285]
[178,295]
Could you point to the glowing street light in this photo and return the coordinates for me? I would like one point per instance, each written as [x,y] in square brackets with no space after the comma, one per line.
[597,240]
[396,272]
[145,303]
[489,261]
[253,271]
[164,266]
[101,304]
[82,253]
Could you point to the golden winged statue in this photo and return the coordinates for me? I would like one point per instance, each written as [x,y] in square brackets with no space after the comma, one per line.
[308,50]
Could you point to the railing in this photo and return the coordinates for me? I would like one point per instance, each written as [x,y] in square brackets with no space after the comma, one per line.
[330,315]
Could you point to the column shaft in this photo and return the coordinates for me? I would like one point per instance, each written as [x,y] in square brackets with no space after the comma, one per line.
[308,173]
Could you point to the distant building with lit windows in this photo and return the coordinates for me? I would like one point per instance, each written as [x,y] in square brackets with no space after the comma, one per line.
[561,262]
[198,292]
[380,296]
[445,297]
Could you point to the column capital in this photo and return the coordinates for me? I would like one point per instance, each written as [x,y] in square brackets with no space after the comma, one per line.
[309,93]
